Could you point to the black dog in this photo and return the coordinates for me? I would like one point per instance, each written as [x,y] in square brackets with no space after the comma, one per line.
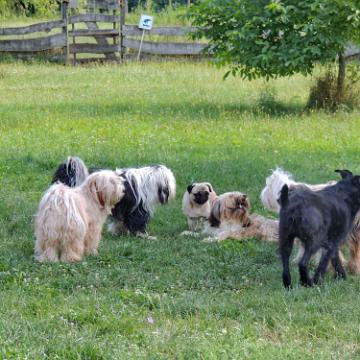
[320,219]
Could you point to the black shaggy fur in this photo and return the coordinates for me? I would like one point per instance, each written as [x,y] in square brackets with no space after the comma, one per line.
[71,172]
[134,218]
[64,174]
[320,219]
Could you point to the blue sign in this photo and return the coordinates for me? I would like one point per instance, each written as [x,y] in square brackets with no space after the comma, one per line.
[146,22]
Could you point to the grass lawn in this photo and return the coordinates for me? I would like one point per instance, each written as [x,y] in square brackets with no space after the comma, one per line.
[174,297]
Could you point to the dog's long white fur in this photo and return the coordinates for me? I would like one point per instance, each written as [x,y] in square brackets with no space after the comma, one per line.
[69,220]
[145,182]
[274,183]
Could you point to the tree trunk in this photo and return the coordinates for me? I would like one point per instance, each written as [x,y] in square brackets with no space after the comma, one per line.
[341,78]
[148,5]
[188,3]
[170,3]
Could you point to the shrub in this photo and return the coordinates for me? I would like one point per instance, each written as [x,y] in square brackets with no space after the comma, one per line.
[323,93]
[29,7]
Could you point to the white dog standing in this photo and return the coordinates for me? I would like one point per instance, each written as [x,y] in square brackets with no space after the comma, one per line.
[69,220]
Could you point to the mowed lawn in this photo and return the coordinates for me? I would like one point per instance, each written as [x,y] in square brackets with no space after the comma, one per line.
[175,297]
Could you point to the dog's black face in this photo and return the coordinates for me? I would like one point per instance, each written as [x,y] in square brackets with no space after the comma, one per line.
[201,197]
[163,194]
[199,192]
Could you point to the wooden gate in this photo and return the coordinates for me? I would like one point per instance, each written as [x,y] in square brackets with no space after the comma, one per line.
[96,32]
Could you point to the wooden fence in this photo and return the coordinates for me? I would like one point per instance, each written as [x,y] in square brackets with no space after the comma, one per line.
[34,44]
[101,31]
[104,24]
[161,48]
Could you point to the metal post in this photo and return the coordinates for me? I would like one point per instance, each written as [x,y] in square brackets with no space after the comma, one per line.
[142,39]
[123,7]
[64,15]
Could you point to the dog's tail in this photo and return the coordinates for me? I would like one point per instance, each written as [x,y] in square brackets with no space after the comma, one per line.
[284,196]
[72,172]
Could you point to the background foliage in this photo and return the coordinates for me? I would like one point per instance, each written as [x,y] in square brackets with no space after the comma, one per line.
[48,7]
[262,38]
[29,7]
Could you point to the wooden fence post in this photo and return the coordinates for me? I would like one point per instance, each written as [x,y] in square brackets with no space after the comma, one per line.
[64,15]
[123,7]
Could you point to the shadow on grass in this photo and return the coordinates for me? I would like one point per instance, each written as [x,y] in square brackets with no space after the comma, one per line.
[180,110]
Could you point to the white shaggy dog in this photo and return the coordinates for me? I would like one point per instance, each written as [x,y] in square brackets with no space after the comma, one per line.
[274,183]
[69,220]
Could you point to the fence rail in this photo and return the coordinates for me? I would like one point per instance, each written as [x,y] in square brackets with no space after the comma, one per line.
[34,45]
[41,27]
[93,18]
[162,48]
[133,30]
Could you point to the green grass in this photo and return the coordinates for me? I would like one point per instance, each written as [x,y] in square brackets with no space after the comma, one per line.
[174,297]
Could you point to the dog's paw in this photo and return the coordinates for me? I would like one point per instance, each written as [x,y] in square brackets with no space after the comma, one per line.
[209,239]
[309,282]
[190,233]
[146,236]
[94,252]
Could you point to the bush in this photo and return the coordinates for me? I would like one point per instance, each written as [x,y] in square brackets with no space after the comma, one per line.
[323,93]
[29,7]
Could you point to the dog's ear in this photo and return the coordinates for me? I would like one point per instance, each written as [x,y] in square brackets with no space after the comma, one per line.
[214,217]
[344,173]
[190,187]
[210,187]
[98,194]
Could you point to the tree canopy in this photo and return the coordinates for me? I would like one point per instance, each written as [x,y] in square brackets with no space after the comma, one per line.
[262,38]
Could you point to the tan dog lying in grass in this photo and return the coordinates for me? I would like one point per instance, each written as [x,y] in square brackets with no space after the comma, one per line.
[229,218]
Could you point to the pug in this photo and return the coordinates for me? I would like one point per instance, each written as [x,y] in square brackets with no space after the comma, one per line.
[197,203]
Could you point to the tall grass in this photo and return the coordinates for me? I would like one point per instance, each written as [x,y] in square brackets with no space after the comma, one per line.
[166,17]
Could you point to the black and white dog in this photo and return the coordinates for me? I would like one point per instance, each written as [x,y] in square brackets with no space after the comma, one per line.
[321,220]
[72,172]
[145,187]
